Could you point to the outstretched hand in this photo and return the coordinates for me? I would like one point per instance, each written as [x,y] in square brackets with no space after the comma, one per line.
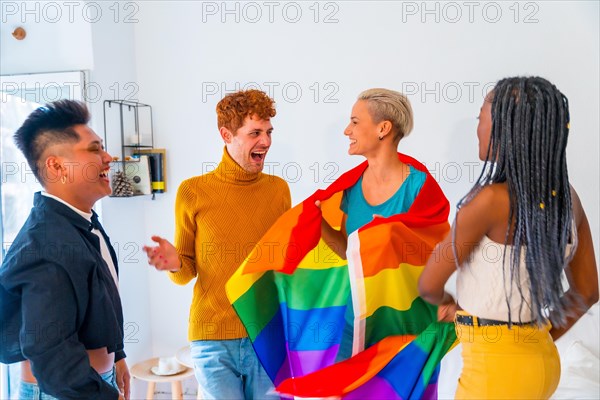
[163,257]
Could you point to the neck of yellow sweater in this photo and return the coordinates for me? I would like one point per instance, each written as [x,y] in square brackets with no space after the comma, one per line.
[231,172]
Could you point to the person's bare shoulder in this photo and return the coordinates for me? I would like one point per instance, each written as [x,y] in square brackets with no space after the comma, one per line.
[489,208]
[489,197]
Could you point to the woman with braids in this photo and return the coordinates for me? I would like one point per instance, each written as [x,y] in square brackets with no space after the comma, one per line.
[518,231]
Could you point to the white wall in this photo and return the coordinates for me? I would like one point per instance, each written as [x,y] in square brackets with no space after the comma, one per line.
[114,76]
[189,54]
[58,36]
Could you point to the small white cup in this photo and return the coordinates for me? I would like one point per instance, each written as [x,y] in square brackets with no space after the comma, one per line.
[167,365]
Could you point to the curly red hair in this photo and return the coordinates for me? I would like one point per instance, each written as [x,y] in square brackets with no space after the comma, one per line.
[235,107]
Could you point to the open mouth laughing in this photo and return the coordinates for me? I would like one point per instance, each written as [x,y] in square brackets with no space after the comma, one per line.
[104,174]
[258,156]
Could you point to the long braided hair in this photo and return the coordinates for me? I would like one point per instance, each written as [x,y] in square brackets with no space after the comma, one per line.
[527,150]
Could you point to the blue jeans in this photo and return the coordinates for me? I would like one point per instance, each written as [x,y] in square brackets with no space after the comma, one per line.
[229,370]
[31,391]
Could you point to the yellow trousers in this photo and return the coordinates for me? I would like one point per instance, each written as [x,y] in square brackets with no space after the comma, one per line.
[502,363]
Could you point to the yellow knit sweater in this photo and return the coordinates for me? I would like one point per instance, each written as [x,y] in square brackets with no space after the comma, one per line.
[219,217]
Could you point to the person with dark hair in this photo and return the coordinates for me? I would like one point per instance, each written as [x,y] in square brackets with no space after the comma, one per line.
[517,233]
[219,216]
[59,301]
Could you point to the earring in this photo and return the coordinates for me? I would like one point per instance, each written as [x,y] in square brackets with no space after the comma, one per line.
[380,137]
[63,179]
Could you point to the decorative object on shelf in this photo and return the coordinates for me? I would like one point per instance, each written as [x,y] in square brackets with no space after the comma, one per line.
[158,167]
[121,185]
[143,165]
[134,122]
[138,171]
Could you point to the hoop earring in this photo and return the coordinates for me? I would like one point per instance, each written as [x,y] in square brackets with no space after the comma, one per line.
[63,179]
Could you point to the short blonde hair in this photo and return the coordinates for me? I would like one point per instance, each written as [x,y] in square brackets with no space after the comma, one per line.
[389,105]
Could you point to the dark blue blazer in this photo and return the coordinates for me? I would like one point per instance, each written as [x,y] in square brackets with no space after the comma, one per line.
[58,299]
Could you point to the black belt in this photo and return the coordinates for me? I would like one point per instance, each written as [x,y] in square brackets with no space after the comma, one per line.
[468,320]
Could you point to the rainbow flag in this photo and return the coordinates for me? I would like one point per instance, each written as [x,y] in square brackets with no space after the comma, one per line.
[292,292]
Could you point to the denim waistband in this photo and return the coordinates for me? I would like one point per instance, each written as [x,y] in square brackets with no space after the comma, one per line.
[31,391]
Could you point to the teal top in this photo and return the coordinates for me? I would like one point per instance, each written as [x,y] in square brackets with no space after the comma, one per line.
[360,212]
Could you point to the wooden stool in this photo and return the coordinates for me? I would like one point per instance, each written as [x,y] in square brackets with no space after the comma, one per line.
[142,371]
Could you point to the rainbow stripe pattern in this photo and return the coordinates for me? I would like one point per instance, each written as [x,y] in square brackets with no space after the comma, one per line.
[292,292]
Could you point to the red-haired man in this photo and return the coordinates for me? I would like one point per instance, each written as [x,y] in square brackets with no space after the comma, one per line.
[219,217]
